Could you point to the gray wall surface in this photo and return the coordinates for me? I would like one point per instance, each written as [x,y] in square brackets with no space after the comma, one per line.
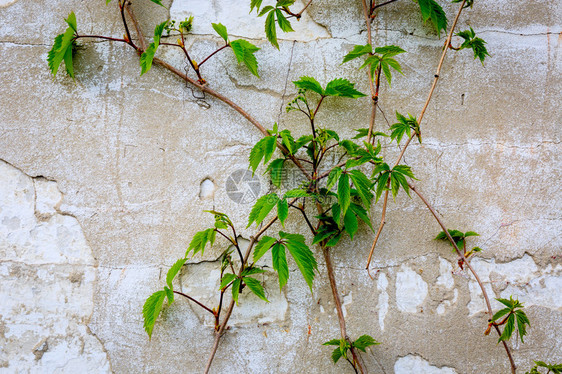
[103,182]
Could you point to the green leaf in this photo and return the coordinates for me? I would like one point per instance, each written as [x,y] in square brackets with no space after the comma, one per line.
[265,10]
[200,240]
[221,30]
[159,2]
[174,271]
[297,192]
[333,342]
[500,313]
[263,150]
[336,355]
[148,56]
[476,44]
[255,4]
[280,263]
[282,211]
[244,52]
[510,303]
[261,208]
[362,214]
[62,48]
[350,223]
[255,286]
[344,193]
[363,342]
[333,178]
[431,10]
[470,233]
[270,31]
[263,246]
[309,83]
[226,279]
[284,3]
[389,50]
[363,186]
[169,295]
[343,88]
[283,23]
[236,289]
[302,255]
[324,233]
[151,310]
[334,240]
[522,320]
[275,169]
[358,51]
[508,328]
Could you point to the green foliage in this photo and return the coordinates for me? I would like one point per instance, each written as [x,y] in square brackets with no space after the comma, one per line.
[244,52]
[200,240]
[255,286]
[474,43]
[432,11]
[221,30]
[460,239]
[405,125]
[148,56]
[337,87]
[515,314]
[396,178]
[151,310]
[261,208]
[552,368]
[275,169]
[275,17]
[63,48]
[343,346]
[174,271]
[381,60]
[263,150]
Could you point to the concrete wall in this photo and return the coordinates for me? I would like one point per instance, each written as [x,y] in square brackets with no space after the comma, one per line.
[103,182]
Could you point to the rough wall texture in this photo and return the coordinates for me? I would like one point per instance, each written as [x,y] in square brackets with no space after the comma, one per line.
[103,181]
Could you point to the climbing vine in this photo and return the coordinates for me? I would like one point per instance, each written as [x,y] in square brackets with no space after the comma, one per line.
[336,198]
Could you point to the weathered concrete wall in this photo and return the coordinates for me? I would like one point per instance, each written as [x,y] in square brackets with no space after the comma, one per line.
[103,181]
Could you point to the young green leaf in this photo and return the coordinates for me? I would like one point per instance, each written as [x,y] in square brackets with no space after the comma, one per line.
[432,11]
[62,48]
[358,51]
[270,31]
[244,52]
[227,279]
[297,192]
[363,342]
[261,208]
[474,43]
[309,83]
[151,310]
[263,150]
[362,214]
[343,88]
[333,178]
[148,56]
[255,4]
[344,193]
[263,246]
[282,211]
[275,169]
[169,295]
[302,255]
[284,24]
[221,30]
[255,286]
[200,240]
[174,271]
[389,50]
[280,263]
[350,223]
[508,329]
[159,2]
[363,186]
[236,289]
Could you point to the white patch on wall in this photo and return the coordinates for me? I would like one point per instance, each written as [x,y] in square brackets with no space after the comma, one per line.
[521,278]
[447,283]
[415,364]
[47,277]
[411,290]
[234,16]
[382,306]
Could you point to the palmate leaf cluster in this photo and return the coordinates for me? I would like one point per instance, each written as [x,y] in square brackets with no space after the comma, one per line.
[381,58]
[63,48]
[274,18]
[433,12]
[361,343]
[512,314]
[552,368]
[459,238]
[474,43]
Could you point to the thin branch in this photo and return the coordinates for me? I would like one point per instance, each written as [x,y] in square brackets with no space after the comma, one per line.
[461,255]
[102,37]
[383,4]
[135,23]
[195,301]
[122,6]
[212,54]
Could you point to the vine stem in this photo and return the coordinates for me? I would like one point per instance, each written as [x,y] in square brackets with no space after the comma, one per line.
[381,225]
[461,255]
[374,98]
[195,301]
[420,117]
